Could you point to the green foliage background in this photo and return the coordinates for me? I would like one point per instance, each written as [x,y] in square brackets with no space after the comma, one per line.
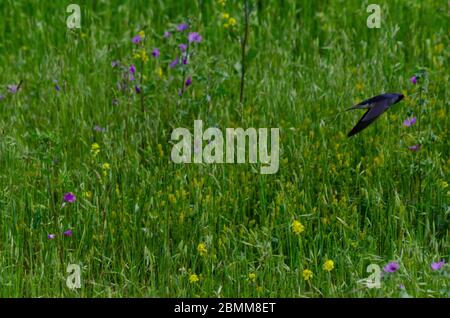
[362,200]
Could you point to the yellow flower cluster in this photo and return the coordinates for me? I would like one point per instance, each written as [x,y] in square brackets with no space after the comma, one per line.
[328,265]
[307,274]
[105,167]
[95,149]
[229,21]
[297,227]
[193,278]
[202,250]
[141,55]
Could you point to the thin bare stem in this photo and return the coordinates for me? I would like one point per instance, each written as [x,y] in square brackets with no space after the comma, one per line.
[243,51]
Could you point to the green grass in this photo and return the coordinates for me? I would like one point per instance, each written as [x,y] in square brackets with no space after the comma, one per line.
[137,236]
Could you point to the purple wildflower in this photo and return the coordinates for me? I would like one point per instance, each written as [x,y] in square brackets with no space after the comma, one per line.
[173,63]
[391,267]
[194,37]
[437,266]
[167,34]
[69,197]
[68,233]
[97,128]
[51,236]
[185,60]
[188,81]
[13,88]
[156,53]
[137,89]
[182,47]
[410,121]
[180,92]
[182,27]
[56,85]
[413,80]
[115,63]
[137,39]
[132,71]
[415,147]
[401,286]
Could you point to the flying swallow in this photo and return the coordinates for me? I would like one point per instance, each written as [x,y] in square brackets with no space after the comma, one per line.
[375,106]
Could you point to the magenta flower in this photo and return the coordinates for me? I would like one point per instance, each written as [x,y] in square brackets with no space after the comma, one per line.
[410,121]
[194,37]
[415,147]
[156,53]
[391,267]
[413,80]
[182,27]
[68,233]
[182,47]
[437,266]
[137,39]
[69,197]
[188,81]
[51,236]
[173,63]
[167,34]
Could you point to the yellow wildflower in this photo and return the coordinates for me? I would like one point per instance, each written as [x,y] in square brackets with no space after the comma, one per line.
[202,250]
[225,16]
[95,149]
[222,2]
[193,278]
[171,198]
[328,265]
[359,86]
[232,21]
[307,274]
[160,149]
[87,195]
[144,56]
[252,277]
[159,72]
[297,227]
[142,34]
[106,166]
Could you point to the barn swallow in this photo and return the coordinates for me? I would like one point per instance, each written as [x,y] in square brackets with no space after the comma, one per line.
[375,106]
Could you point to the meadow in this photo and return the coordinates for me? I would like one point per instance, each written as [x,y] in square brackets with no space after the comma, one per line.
[86,175]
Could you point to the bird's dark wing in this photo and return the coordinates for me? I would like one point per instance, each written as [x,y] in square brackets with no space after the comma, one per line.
[375,99]
[370,116]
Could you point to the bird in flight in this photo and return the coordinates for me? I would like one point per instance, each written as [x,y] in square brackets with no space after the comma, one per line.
[375,106]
